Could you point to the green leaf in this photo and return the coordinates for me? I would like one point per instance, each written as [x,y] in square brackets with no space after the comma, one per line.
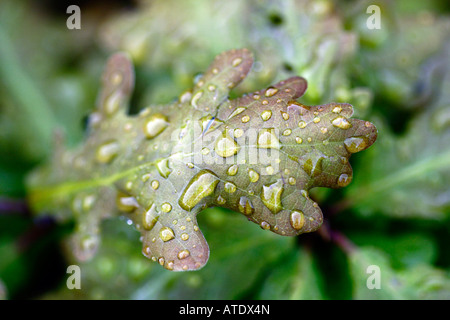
[420,282]
[405,250]
[296,277]
[408,176]
[258,154]
[243,256]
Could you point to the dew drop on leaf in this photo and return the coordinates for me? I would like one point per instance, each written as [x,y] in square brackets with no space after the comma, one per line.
[356,144]
[150,217]
[271,196]
[232,170]
[270,92]
[166,234]
[266,115]
[201,185]
[155,125]
[163,168]
[245,206]
[297,219]
[267,139]
[313,166]
[226,146]
[107,151]
[253,175]
[344,180]
[230,187]
[183,254]
[342,123]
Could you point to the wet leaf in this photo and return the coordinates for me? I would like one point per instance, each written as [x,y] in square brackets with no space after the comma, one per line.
[259,154]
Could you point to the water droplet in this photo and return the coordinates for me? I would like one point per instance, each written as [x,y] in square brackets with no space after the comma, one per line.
[267,139]
[166,207]
[211,87]
[205,151]
[297,220]
[225,146]
[356,144]
[190,165]
[163,167]
[185,97]
[298,140]
[271,196]
[236,62]
[150,217]
[196,97]
[270,92]
[265,102]
[270,170]
[201,185]
[209,124]
[155,125]
[323,130]
[126,203]
[236,112]
[285,115]
[342,123]
[87,202]
[313,166]
[245,206]
[295,107]
[184,236]
[292,181]
[230,187]
[107,151]
[253,175]
[337,109]
[238,133]
[344,180]
[302,124]
[316,120]
[265,225]
[245,119]
[129,185]
[266,115]
[161,261]
[112,103]
[155,184]
[166,234]
[169,265]
[183,254]
[232,170]
[287,132]
[220,200]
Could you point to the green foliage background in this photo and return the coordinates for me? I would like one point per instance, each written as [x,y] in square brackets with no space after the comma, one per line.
[395,214]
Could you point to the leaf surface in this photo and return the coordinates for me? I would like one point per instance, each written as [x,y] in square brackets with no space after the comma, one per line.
[259,154]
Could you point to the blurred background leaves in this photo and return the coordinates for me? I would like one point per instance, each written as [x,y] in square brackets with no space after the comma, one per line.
[395,214]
